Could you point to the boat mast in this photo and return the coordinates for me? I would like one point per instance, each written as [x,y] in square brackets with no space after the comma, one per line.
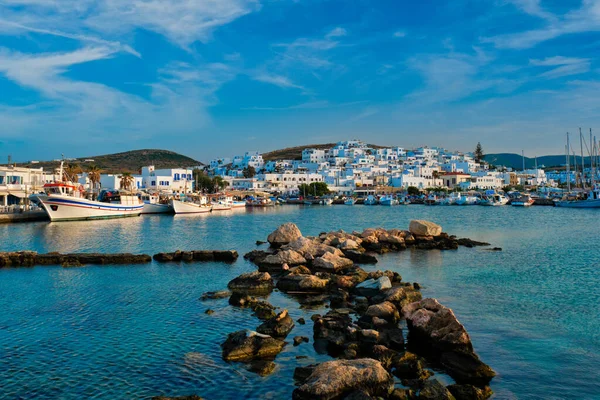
[582,160]
[567,152]
[592,153]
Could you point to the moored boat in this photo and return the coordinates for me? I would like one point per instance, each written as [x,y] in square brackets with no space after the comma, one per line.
[154,204]
[191,204]
[370,200]
[524,200]
[350,201]
[388,200]
[592,200]
[65,201]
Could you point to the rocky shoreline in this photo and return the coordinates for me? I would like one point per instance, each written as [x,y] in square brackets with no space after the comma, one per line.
[364,329]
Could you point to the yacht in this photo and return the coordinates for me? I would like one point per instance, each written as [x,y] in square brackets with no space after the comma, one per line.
[388,200]
[66,201]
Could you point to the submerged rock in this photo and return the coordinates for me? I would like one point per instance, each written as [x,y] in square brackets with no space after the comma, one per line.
[262,367]
[298,340]
[285,234]
[248,345]
[335,379]
[252,282]
[221,294]
[470,392]
[424,228]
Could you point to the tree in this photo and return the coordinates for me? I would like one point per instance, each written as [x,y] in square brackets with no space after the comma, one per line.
[203,182]
[413,191]
[94,175]
[249,172]
[218,184]
[479,153]
[71,171]
[314,189]
[126,181]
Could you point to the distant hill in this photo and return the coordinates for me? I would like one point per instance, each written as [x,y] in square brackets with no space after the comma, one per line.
[515,161]
[295,153]
[129,161]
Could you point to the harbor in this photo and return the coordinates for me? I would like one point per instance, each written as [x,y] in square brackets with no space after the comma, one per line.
[146,303]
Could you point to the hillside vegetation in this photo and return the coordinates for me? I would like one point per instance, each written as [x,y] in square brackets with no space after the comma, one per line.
[128,161]
[295,153]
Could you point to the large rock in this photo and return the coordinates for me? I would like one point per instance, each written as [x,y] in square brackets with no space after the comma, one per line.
[385,310]
[336,329]
[467,368]
[429,321]
[330,262]
[434,390]
[402,295]
[302,283]
[252,282]
[248,345]
[469,392]
[373,287]
[424,228]
[335,379]
[278,326]
[289,257]
[285,234]
[310,248]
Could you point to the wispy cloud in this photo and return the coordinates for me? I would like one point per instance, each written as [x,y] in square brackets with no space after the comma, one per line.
[399,34]
[181,21]
[277,80]
[564,66]
[583,19]
[336,32]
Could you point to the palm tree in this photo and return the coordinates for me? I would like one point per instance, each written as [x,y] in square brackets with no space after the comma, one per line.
[71,171]
[94,176]
[126,181]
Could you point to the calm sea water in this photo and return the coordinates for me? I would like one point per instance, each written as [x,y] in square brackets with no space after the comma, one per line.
[111,332]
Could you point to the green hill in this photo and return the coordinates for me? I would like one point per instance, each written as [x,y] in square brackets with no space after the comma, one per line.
[129,161]
[515,161]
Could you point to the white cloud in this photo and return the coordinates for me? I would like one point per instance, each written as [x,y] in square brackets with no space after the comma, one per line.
[565,66]
[276,80]
[181,21]
[399,34]
[584,19]
[336,32]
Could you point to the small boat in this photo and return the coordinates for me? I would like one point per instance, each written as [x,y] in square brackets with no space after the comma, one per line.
[465,199]
[592,200]
[66,201]
[259,202]
[154,204]
[370,200]
[495,199]
[220,206]
[349,201]
[388,200]
[524,201]
[431,200]
[327,201]
[191,204]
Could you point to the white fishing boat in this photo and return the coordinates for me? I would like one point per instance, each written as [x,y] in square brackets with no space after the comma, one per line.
[370,200]
[466,199]
[592,200]
[524,200]
[495,199]
[154,204]
[326,201]
[66,201]
[388,200]
[350,201]
[259,202]
[192,204]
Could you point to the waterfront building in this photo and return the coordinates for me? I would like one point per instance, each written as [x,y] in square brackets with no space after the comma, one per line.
[17,183]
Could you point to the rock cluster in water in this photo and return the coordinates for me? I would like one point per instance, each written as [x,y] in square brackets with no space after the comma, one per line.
[362,328]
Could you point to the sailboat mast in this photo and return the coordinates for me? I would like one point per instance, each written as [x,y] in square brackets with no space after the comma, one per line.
[567,152]
[582,160]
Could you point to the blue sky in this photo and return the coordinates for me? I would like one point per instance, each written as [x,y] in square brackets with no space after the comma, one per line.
[211,78]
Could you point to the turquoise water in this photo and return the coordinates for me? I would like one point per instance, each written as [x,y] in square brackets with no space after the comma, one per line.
[110,332]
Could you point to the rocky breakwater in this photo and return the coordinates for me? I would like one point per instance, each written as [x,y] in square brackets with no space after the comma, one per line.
[32,258]
[364,326]
[197,255]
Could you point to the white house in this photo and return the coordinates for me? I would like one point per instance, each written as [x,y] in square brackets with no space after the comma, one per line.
[17,183]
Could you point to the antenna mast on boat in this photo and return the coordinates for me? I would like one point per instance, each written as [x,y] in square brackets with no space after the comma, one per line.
[582,160]
[567,152]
